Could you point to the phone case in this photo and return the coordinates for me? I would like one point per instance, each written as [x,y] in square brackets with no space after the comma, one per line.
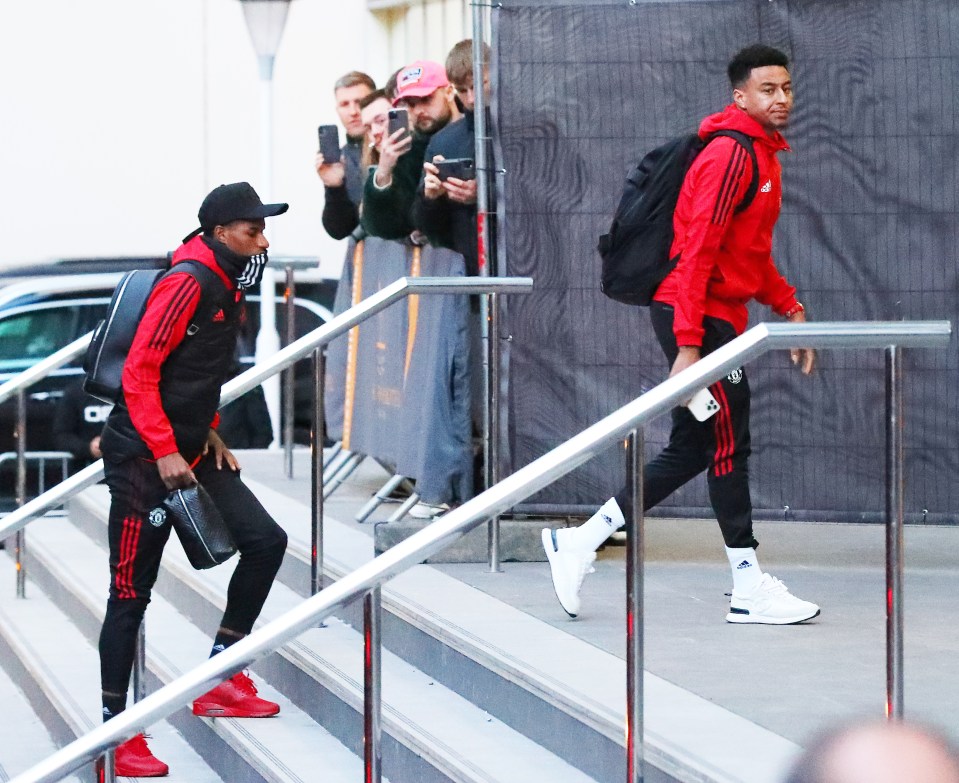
[703,405]
[460,168]
[398,120]
[329,143]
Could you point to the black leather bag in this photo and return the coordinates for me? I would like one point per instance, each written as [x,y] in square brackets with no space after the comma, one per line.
[199,526]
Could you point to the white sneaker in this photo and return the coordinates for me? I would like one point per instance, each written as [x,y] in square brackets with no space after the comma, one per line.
[426,511]
[568,568]
[770,603]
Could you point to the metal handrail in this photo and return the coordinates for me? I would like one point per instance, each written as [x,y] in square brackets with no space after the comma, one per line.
[249,379]
[528,480]
[44,367]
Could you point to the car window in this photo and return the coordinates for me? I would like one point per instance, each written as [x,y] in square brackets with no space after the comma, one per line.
[28,337]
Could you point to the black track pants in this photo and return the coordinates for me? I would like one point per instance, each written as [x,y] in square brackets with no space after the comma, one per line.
[137,538]
[719,445]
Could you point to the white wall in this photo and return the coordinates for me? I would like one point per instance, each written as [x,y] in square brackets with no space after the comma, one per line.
[118,116]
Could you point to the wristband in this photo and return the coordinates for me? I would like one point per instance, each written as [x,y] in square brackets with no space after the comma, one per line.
[796,308]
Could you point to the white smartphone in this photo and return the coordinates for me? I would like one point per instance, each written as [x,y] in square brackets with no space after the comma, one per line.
[703,405]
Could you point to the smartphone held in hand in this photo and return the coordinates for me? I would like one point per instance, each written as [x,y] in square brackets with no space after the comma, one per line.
[458,168]
[329,143]
[398,118]
[703,405]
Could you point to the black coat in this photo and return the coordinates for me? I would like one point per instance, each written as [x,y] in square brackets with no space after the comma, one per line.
[446,223]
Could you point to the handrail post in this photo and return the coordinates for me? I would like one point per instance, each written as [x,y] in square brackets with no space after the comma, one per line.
[288,374]
[635,614]
[21,537]
[372,683]
[140,663]
[895,482]
[491,420]
[106,767]
[319,436]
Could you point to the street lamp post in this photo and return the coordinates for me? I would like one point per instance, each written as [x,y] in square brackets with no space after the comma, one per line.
[265,19]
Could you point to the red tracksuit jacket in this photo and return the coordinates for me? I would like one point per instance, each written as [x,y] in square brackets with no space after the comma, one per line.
[726,258]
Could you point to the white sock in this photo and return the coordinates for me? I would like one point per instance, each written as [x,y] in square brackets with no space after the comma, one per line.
[746,571]
[595,530]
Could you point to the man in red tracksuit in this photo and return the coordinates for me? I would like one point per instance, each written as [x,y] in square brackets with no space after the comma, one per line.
[725,260]
[162,436]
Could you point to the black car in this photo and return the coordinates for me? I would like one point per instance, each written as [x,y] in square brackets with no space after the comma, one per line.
[41,315]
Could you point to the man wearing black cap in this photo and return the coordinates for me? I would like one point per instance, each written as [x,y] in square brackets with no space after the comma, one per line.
[162,436]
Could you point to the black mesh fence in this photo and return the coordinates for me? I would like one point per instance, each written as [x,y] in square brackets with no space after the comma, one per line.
[868,230]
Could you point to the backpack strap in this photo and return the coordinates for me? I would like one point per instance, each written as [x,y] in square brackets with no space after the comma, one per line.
[213,293]
[746,142]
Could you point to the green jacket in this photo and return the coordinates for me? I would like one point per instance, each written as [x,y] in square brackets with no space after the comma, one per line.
[387,213]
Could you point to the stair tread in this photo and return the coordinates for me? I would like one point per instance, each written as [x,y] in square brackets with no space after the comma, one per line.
[432,716]
[283,749]
[683,732]
[679,726]
[69,667]
[24,740]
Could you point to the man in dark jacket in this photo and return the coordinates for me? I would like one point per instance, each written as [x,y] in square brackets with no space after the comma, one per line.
[343,179]
[445,209]
[77,424]
[725,260]
[424,91]
[162,436]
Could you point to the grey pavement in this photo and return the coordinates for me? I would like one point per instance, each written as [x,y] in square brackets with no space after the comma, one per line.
[792,680]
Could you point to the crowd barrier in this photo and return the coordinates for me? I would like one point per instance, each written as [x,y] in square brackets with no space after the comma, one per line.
[398,386]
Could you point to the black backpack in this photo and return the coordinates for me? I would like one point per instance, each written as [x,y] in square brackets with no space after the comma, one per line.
[635,252]
[113,336]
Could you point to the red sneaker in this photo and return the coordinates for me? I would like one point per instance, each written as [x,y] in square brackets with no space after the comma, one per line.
[133,759]
[234,698]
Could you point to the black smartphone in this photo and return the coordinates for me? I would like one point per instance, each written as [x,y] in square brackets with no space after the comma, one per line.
[459,168]
[399,118]
[329,143]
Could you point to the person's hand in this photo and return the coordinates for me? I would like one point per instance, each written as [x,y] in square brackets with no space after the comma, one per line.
[804,358]
[175,472]
[392,149]
[220,451]
[462,191]
[432,184]
[95,448]
[332,174]
[687,357]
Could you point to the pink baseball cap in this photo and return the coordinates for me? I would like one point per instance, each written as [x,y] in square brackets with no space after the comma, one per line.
[420,79]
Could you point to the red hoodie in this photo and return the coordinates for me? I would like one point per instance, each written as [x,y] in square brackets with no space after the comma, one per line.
[726,257]
[168,314]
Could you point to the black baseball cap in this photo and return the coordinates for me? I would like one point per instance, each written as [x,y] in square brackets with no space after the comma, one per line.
[236,201]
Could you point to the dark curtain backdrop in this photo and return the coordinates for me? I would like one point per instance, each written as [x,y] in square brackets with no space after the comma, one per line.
[867,232]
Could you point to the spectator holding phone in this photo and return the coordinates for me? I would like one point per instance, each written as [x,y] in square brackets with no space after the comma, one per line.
[375,110]
[445,205]
[424,94]
[343,178]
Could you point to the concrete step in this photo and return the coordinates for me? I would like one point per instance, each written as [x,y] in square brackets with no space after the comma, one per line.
[519,538]
[430,732]
[24,740]
[562,692]
[57,669]
[282,750]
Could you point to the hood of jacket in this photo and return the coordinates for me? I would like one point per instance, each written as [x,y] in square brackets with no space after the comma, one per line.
[734,118]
